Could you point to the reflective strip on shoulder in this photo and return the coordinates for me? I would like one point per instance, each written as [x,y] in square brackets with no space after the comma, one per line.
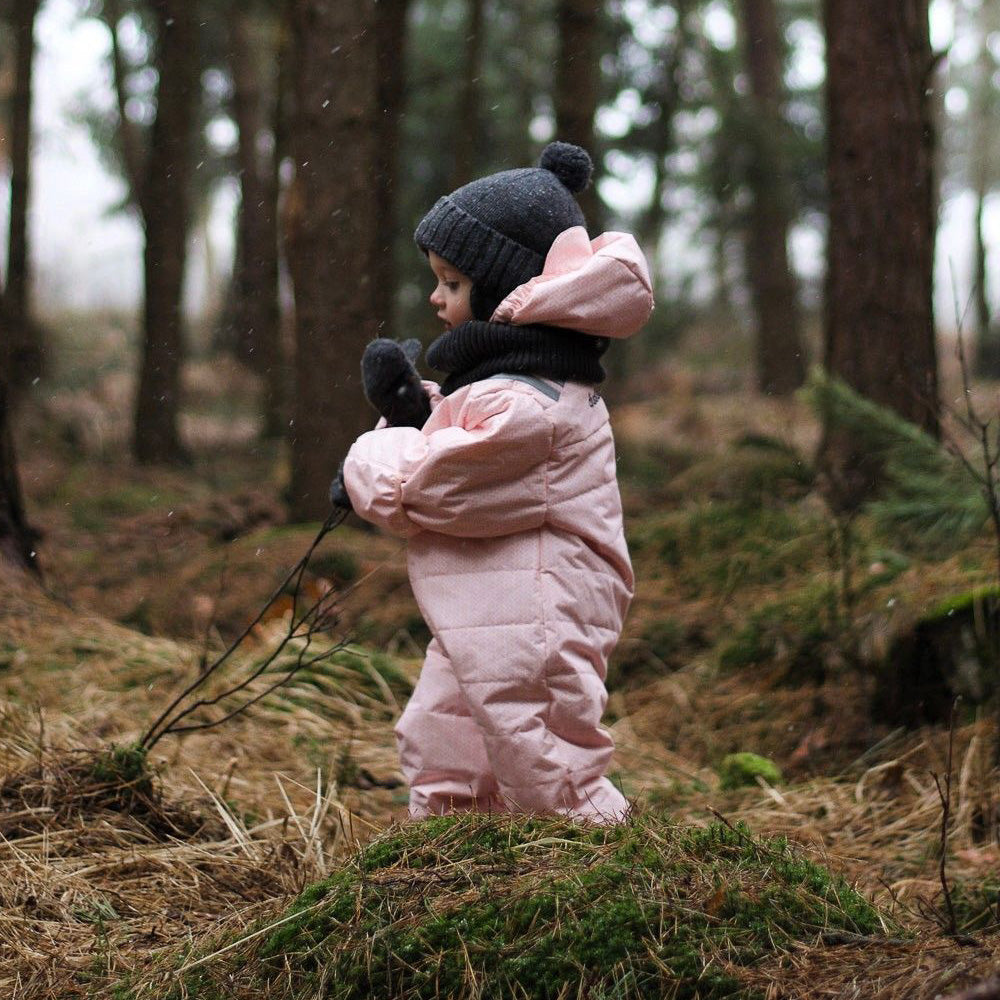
[546,388]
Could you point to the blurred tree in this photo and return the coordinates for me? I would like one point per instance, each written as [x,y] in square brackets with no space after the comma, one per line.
[331,233]
[164,198]
[255,42]
[879,324]
[391,37]
[468,139]
[123,137]
[683,119]
[664,93]
[780,358]
[577,83]
[514,118]
[984,168]
[22,346]
[16,537]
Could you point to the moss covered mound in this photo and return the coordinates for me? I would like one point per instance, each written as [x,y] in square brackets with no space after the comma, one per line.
[462,907]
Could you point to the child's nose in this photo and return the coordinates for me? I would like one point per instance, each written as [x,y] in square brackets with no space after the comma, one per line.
[436,298]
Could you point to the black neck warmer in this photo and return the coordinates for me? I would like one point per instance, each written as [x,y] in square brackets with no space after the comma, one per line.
[478,349]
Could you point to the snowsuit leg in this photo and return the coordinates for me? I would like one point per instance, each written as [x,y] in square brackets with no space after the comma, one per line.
[540,724]
[441,747]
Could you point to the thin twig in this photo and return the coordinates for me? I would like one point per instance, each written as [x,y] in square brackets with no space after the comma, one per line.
[296,668]
[166,718]
[945,796]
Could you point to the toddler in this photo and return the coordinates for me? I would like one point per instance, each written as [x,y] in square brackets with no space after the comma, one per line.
[508,496]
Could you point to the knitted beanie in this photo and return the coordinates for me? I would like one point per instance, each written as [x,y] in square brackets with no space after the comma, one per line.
[498,229]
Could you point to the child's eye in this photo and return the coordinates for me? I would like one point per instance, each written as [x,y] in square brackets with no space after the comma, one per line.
[452,286]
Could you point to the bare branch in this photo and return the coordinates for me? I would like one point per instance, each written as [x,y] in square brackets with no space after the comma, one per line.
[281,682]
[945,796]
[155,732]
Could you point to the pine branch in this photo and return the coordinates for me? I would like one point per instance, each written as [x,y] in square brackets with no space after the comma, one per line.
[930,498]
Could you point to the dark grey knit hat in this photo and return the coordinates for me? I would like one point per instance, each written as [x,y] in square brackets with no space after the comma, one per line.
[498,229]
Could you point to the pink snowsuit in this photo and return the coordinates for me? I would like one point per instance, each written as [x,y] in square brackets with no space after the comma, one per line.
[517,559]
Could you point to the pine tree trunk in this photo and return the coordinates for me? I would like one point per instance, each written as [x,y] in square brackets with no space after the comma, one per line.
[982,166]
[981,287]
[879,324]
[24,351]
[129,137]
[667,96]
[781,364]
[468,120]
[577,84]
[331,238]
[256,306]
[390,28]
[16,537]
[523,82]
[166,214]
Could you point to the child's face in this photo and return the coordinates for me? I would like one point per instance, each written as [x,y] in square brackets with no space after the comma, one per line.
[451,293]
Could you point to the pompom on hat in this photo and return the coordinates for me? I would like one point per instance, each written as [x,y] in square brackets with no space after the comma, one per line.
[497,230]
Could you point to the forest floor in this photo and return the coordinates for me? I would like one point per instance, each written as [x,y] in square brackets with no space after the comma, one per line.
[754,628]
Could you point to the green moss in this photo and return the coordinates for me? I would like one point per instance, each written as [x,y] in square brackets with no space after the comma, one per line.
[122,765]
[977,906]
[794,632]
[739,769]
[650,466]
[92,513]
[720,546]
[658,648]
[466,906]
[758,471]
[963,603]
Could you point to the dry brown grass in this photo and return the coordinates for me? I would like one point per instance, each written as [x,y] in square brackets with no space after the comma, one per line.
[94,887]
[93,881]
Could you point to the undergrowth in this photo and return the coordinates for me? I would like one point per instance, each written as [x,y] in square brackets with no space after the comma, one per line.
[458,907]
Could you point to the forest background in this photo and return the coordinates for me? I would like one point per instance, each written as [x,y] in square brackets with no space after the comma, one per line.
[185,300]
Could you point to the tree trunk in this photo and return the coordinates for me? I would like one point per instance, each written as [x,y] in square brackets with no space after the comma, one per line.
[983,144]
[129,137]
[979,251]
[331,239]
[577,79]
[781,364]
[667,95]
[166,213]
[23,348]
[16,537]
[522,79]
[256,305]
[390,31]
[468,121]
[878,322]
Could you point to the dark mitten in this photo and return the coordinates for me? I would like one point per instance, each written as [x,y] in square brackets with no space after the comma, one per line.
[392,383]
[338,491]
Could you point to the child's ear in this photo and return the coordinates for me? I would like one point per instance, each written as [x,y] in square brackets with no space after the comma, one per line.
[483,301]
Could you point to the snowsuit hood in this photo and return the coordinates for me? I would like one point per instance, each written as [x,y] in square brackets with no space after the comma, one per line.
[599,287]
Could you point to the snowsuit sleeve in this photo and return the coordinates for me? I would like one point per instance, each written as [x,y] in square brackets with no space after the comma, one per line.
[478,472]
